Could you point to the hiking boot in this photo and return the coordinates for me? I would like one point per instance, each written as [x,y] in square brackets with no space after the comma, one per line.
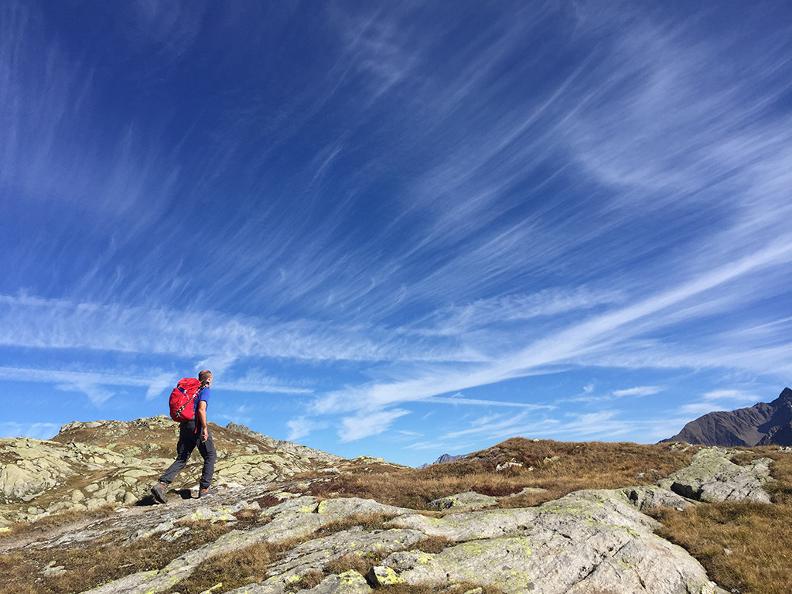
[204,492]
[158,491]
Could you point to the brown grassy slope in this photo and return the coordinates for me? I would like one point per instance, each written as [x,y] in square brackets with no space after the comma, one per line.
[558,467]
[745,547]
[155,439]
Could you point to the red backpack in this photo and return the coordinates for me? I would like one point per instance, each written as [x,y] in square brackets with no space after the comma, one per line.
[182,399]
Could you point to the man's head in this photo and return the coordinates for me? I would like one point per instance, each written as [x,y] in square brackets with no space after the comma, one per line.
[205,377]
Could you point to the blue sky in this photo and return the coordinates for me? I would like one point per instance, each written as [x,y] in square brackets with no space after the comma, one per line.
[396,229]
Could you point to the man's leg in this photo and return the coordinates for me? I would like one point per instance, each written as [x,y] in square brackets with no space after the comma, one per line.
[185,447]
[209,454]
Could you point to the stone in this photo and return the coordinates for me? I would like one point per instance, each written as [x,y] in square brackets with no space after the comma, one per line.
[713,477]
[584,542]
[349,582]
[507,465]
[315,554]
[647,498]
[384,576]
[468,500]
[18,482]
[219,513]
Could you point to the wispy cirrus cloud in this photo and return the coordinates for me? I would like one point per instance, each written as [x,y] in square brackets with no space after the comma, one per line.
[720,400]
[521,192]
[368,424]
[574,342]
[100,386]
[37,430]
[637,391]
[216,337]
[300,427]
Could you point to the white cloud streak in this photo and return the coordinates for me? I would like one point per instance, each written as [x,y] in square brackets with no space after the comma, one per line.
[97,385]
[368,424]
[578,340]
[637,391]
[39,430]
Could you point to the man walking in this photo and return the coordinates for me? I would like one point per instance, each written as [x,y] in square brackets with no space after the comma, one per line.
[191,434]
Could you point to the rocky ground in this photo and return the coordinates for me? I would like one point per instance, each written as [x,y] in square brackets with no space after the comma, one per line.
[265,532]
[91,465]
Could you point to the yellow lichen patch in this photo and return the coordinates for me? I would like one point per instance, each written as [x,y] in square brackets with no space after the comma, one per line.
[350,577]
[424,558]
[387,577]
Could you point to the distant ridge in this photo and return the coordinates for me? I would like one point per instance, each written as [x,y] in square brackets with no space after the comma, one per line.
[761,424]
[445,458]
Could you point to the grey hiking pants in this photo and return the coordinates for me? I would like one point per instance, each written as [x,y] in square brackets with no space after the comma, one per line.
[188,439]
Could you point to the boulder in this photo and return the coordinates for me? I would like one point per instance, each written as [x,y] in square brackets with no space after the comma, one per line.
[584,542]
[713,477]
[469,500]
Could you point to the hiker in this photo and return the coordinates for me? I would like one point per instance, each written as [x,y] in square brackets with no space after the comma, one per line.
[193,432]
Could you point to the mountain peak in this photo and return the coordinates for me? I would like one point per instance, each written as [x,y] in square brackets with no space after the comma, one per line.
[761,424]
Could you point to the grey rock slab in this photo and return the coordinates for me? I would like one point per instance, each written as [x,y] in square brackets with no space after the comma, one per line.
[469,500]
[646,498]
[218,513]
[354,506]
[316,554]
[713,477]
[293,519]
[587,541]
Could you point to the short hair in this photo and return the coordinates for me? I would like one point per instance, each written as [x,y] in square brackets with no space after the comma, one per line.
[204,375]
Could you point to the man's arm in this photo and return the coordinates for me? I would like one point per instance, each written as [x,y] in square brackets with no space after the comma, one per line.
[202,424]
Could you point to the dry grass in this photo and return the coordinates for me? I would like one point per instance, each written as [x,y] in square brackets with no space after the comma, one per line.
[308,580]
[360,563]
[558,467]
[367,521]
[433,544]
[233,569]
[89,565]
[250,564]
[156,442]
[745,547]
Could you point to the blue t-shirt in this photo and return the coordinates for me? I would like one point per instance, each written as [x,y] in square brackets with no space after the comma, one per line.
[203,395]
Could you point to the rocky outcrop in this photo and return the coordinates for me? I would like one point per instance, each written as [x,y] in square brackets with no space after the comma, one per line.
[109,463]
[761,424]
[584,542]
[713,477]
[588,541]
